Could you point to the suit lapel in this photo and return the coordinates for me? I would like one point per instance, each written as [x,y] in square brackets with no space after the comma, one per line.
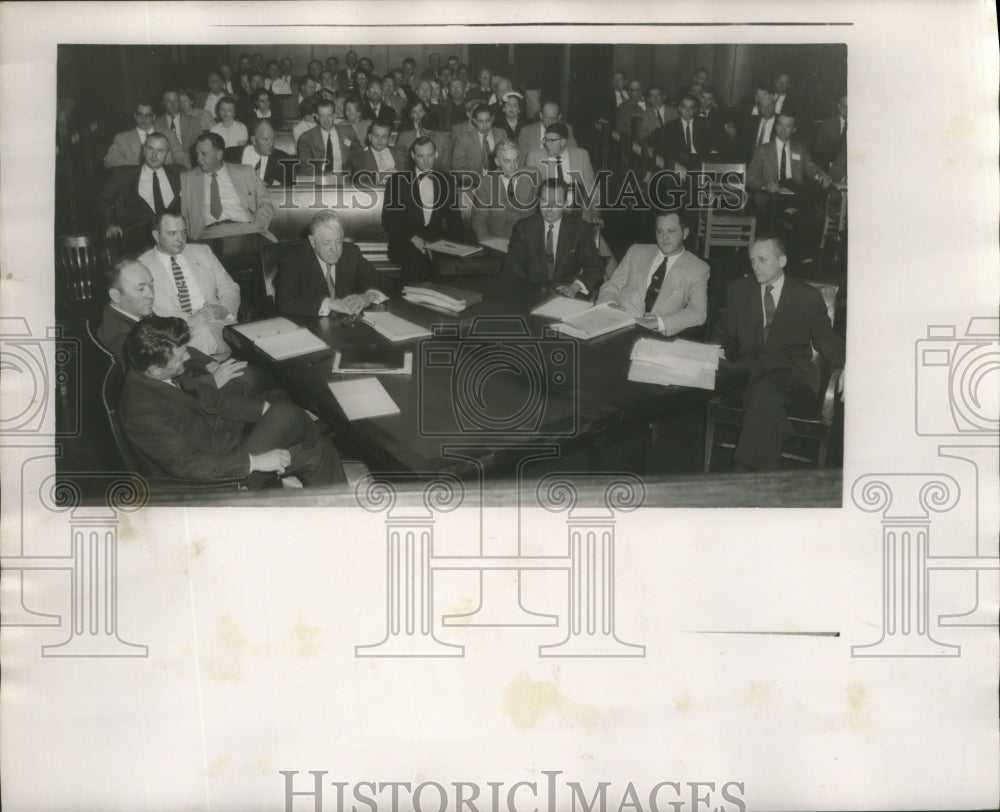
[563,243]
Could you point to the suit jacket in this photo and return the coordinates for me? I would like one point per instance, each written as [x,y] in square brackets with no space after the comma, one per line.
[512,133]
[251,190]
[764,168]
[669,141]
[493,213]
[312,146]
[403,217]
[126,149]
[386,113]
[800,322]
[115,327]
[683,298]
[576,252]
[345,82]
[194,431]
[274,172]
[530,138]
[650,123]
[442,141]
[624,115]
[829,141]
[363,160]
[467,152]
[581,175]
[352,134]
[746,136]
[119,202]
[300,285]
[190,129]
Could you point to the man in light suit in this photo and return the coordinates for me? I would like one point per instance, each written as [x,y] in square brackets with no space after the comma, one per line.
[378,160]
[571,165]
[184,126]
[190,283]
[473,151]
[325,145]
[126,148]
[504,197]
[273,166]
[664,286]
[220,199]
[532,137]
[656,115]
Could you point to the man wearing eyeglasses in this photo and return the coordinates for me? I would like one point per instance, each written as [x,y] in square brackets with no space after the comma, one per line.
[569,165]
[127,147]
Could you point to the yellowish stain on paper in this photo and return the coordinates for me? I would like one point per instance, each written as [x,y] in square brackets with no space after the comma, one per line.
[683,704]
[759,696]
[527,702]
[959,125]
[232,649]
[858,708]
[219,767]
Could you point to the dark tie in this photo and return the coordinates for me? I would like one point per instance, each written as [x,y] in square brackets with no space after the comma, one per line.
[559,170]
[329,153]
[655,283]
[173,127]
[215,198]
[783,172]
[510,189]
[760,132]
[550,253]
[768,309]
[183,297]
[486,154]
[659,115]
[257,167]
[330,286]
[158,206]
[687,136]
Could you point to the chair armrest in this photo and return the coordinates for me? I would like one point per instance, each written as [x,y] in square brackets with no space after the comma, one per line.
[830,397]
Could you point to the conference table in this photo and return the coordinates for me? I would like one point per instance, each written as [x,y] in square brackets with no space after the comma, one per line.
[493,387]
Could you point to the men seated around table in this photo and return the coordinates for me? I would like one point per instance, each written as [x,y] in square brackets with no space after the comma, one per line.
[786,186]
[831,141]
[327,275]
[134,194]
[473,151]
[322,150]
[553,247]
[686,140]
[262,109]
[571,165]
[187,427]
[216,93]
[273,166]
[220,199]
[769,326]
[419,207]
[532,136]
[663,285]
[189,282]
[187,104]
[233,133]
[378,160]
[126,147]
[184,126]
[503,198]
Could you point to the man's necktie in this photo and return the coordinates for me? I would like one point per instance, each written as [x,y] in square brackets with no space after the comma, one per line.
[510,189]
[559,169]
[655,284]
[768,309]
[330,285]
[486,154]
[783,172]
[550,251]
[173,127]
[183,296]
[687,136]
[257,168]
[659,115]
[158,206]
[215,198]
[329,153]
[760,132]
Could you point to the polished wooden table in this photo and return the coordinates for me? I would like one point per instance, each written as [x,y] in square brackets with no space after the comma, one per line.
[491,384]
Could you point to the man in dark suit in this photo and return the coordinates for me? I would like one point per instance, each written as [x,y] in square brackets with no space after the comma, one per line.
[346,75]
[503,198]
[769,326]
[831,139]
[554,248]
[324,144]
[373,107]
[273,166]
[473,150]
[686,140]
[327,275]
[420,207]
[757,130]
[188,428]
[378,160]
[134,194]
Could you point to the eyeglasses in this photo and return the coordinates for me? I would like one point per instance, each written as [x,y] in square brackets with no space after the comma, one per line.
[553,139]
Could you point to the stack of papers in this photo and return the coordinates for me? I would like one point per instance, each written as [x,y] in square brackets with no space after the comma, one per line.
[595,321]
[561,307]
[281,338]
[394,328]
[444,297]
[674,363]
[378,362]
[455,249]
[363,398]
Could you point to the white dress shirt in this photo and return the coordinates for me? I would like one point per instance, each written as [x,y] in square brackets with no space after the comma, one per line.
[425,187]
[764,130]
[657,261]
[778,145]
[146,187]
[194,290]
[232,206]
[251,156]
[384,160]
[776,287]
[334,140]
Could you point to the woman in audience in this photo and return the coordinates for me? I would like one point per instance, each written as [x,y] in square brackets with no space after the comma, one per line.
[358,126]
[233,132]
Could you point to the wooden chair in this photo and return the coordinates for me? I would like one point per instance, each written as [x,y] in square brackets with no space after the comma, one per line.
[80,269]
[724,227]
[817,428]
[603,128]
[835,215]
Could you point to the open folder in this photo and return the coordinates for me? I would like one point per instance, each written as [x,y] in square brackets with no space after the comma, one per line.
[281,338]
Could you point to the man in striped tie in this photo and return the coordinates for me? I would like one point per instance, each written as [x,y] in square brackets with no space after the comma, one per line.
[192,284]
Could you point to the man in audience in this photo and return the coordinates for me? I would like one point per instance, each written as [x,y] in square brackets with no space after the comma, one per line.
[656,114]
[454,111]
[769,326]
[571,165]
[226,72]
[392,96]
[324,146]
[327,275]
[307,119]
[186,101]
[308,88]
[220,199]
[127,147]
[503,198]
[408,78]
[532,136]
[216,92]
[782,87]
[553,247]
[273,166]
[831,139]
[619,93]
[423,95]
[473,151]
[758,130]
[134,194]
[378,160]
[761,94]
[484,89]
[467,125]
[186,128]
[420,207]
[687,139]
[190,283]
[189,428]
[373,108]
[346,75]
[634,108]
[664,286]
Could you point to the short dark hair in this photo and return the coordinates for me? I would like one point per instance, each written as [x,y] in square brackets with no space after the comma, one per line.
[151,341]
[688,97]
[261,91]
[326,103]
[113,275]
[213,138]
[482,108]
[552,185]
[779,242]
[422,141]
[682,217]
[160,136]
[158,218]
[558,128]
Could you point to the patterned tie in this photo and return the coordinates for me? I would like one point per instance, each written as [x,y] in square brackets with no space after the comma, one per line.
[215,198]
[550,253]
[783,172]
[330,285]
[329,153]
[655,283]
[768,309]
[183,297]
[158,206]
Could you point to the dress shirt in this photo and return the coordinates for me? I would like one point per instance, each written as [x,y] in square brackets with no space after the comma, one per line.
[142,135]
[778,144]
[776,287]
[212,100]
[621,96]
[556,226]
[662,112]
[338,159]
[657,261]
[232,207]
[764,130]
[326,306]
[689,126]
[384,160]
[282,86]
[779,102]
[194,290]
[176,121]
[146,187]
[425,186]
[250,158]
[301,127]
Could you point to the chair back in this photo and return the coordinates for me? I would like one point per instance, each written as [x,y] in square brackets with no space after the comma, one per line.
[728,230]
[735,173]
[270,254]
[79,276]
[829,293]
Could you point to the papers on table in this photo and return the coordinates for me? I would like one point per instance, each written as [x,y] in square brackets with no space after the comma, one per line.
[561,307]
[455,249]
[363,398]
[281,338]
[674,363]
[496,243]
[394,328]
[595,321]
[377,362]
[445,297]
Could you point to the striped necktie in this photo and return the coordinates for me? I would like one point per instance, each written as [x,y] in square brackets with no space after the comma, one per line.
[330,281]
[183,297]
